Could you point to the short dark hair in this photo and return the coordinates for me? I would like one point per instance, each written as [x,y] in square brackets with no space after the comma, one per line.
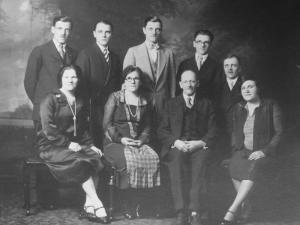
[68,67]
[129,69]
[256,81]
[153,19]
[204,32]
[62,19]
[232,55]
[107,22]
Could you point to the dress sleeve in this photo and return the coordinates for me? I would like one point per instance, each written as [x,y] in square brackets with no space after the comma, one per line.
[277,126]
[110,130]
[50,129]
[85,137]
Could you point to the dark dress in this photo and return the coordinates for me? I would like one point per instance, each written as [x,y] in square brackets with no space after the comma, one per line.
[138,167]
[267,134]
[56,135]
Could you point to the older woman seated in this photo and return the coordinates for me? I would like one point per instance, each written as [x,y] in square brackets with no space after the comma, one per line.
[127,122]
[257,131]
[65,144]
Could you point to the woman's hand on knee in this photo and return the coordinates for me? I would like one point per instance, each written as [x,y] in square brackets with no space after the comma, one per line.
[75,147]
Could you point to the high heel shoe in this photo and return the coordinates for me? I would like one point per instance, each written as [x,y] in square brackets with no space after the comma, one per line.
[95,218]
[229,222]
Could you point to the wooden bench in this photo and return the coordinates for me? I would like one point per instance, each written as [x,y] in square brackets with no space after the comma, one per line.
[33,164]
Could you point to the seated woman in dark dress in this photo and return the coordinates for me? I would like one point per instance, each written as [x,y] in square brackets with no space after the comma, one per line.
[65,145]
[127,121]
[257,131]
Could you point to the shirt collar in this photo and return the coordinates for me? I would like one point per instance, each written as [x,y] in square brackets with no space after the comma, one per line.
[233,81]
[57,45]
[151,45]
[189,96]
[204,57]
[102,48]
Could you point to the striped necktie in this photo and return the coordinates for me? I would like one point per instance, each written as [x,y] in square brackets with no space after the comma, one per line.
[106,55]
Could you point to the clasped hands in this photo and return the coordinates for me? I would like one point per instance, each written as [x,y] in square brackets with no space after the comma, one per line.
[75,147]
[189,146]
[131,142]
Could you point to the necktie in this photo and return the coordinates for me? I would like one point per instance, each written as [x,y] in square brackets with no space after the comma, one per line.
[189,102]
[61,51]
[199,62]
[231,85]
[106,55]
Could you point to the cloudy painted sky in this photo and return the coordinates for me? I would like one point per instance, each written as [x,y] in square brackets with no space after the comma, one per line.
[22,26]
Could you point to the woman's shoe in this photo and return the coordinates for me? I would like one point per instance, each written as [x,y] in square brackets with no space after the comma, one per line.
[84,214]
[229,222]
[226,222]
[93,216]
[129,216]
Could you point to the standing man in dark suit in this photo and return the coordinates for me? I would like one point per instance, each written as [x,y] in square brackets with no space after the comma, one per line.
[207,69]
[156,62]
[44,63]
[227,95]
[188,130]
[101,71]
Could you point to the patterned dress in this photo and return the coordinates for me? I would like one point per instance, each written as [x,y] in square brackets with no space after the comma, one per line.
[58,130]
[138,167]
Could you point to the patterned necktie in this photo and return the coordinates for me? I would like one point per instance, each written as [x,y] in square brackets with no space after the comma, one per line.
[61,51]
[106,55]
[199,62]
[189,102]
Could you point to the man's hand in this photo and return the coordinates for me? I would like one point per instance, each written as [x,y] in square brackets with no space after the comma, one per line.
[256,155]
[97,150]
[75,147]
[195,145]
[181,146]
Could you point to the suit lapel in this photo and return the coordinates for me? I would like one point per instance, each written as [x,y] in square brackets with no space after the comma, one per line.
[144,55]
[161,62]
[53,51]
[179,109]
[69,55]
[101,58]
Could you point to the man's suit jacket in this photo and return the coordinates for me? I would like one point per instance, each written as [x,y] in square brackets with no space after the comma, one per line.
[209,73]
[225,100]
[170,128]
[41,73]
[100,78]
[160,87]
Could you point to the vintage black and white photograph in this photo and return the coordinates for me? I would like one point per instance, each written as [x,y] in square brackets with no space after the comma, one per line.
[149,112]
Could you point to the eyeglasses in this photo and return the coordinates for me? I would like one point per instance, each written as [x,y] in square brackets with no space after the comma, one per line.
[132,79]
[189,81]
[202,42]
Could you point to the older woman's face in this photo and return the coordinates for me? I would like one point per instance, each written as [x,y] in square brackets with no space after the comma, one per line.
[69,80]
[132,81]
[249,91]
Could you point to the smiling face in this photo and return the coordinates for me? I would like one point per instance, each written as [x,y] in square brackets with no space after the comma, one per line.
[152,31]
[102,34]
[188,83]
[132,82]
[61,31]
[69,80]
[202,44]
[250,91]
[231,67]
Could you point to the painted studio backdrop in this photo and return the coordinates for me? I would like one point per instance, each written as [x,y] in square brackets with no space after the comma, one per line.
[265,35]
